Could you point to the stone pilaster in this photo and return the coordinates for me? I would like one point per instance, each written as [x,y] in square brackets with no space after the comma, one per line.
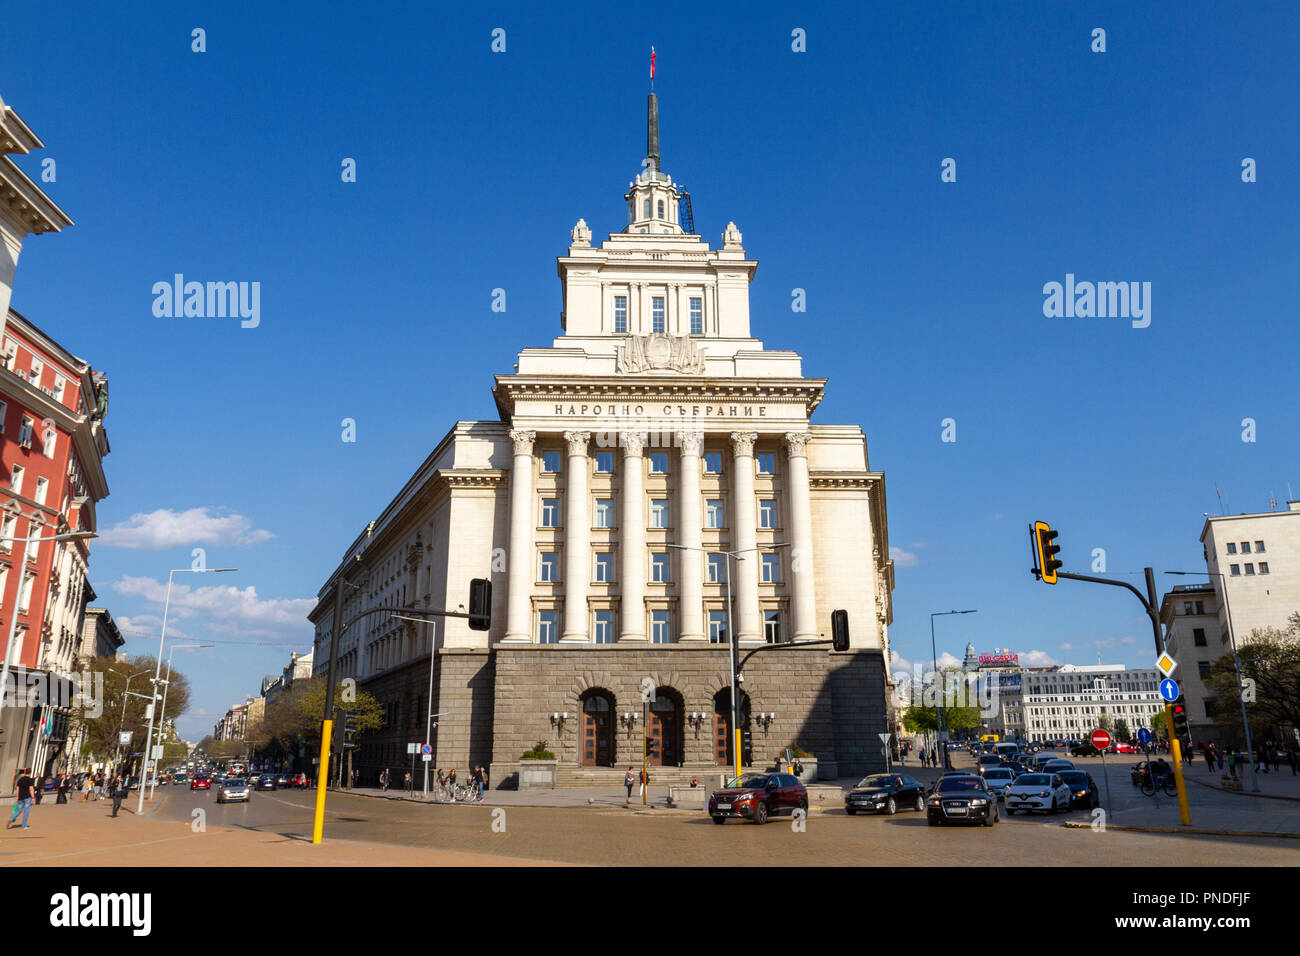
[522,522]
[691,537]
[745,520]
[631,536]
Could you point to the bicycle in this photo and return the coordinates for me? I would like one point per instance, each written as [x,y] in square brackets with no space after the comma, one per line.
[1164,782]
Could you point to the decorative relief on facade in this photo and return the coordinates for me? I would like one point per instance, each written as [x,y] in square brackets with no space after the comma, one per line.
[523,440]
[796,444]
[580,235]
[632,442]
[660,352]
[731,237]
[743,443]
[578,442]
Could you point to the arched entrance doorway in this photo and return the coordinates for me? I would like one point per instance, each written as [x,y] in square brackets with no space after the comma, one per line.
[597,729]
[664,730]
[723,737]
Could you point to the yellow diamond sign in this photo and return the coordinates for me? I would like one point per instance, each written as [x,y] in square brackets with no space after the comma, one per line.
[1166,664]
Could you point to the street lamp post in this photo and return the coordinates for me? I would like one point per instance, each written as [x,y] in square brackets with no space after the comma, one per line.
[162,713]
[428,724]
[157,674]
[938,697]
[733,644]
[121,724]
[1236,664]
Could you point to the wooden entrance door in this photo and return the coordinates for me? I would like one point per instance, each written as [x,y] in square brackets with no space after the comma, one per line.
[597,732]
[663,732]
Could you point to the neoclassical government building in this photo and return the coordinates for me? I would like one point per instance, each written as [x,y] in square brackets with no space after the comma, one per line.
[655,458]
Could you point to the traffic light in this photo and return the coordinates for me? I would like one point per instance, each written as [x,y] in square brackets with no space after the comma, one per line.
[1045,552]
[480,604]
[349,724]
[1180,718]
[840,630]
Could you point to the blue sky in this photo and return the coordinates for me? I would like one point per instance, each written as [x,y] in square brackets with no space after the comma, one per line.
[924,298]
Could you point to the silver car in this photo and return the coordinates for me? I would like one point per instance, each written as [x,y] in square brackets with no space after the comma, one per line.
[998,779]
[231,789]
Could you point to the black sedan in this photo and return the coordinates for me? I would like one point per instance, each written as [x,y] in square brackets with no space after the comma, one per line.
[962,799]
[283,780]
[266,782]
[885,793]
[1083,789]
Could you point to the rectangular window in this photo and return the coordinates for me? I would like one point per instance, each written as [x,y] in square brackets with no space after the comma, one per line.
[1250,569]
[604,629]
[34,376]
[1263,567]
[549,571]
[59,384]
[697,316]
[7,528]
[659,463]
[3,409]
[620,313]
[772,627]
[659,627]
[1259,547]
[717,571]
[16,480]
[42,487]
[547,633]
[550,512]
[659,513]
[1245,547]
[1198,636]
[712,463]
[604,463]
[25,595]
[713,514]
[657,314]
[25,433]
[48,442]
[1236,570]
[550,462]
[766,463]
[1232,547]
[604,512]
[1187,607]
[767,513]
[1204,669]
[1200,607]
[604,567]
[771,569]
[718,627]
[659,568]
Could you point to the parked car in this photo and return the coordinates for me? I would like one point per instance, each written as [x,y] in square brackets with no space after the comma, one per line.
[1056,766]
[233,789]
[998,779]
[1083,748]
[1083,789]
[885,793]
[266,782]
[1038,791]
[1123,749]
[758,796]
[133,783]
[283,779]
[201,781]
[961,799]
[300,781]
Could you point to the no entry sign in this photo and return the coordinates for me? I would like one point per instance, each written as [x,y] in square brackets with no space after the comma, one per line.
[1100,739]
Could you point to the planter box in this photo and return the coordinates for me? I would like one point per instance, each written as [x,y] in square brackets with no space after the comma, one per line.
[537,774]
[691,797]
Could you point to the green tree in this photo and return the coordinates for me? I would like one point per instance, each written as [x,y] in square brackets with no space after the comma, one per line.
[1121,730]
[957,712]
[296,716]
[101,728]
[1158,726]
[1270,670]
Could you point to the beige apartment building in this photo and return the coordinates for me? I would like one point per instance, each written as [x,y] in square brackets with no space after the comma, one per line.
[1193,637]
[652,435]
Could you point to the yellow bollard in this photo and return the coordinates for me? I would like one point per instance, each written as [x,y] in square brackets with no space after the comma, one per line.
[326,735]
[1176,750]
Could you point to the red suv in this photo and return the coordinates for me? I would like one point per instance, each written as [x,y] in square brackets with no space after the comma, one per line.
[757,796]
[201,782]
[300,781]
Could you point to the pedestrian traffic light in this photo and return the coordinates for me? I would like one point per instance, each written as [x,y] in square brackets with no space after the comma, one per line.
[1180,718]
[1045,552]
[840,630]
[480,604]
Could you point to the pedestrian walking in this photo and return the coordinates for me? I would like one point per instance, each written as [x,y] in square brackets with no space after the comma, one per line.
[483,781]
[24,786]
[477,777]
[408,781]
[1291,759]
[1277,759]
[628,780]
[1218,756]
[383,780]
[1232,762]
[645,779]
[1261,759]
[63,790]
[99,785]
[40,788]
[116,790]
[87,787]
[1209,757]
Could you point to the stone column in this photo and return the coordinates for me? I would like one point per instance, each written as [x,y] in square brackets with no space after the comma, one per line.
[631,536]
[519,585]
[802,584]
[690,534]
[577,540]
[744,520]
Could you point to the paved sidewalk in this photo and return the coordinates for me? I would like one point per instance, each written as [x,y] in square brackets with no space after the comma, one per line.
[83,835]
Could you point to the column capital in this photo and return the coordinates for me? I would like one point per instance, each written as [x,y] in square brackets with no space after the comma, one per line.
[523,439]
[796,444]
[690,442]
[578,442]
[633,443]
[742,443]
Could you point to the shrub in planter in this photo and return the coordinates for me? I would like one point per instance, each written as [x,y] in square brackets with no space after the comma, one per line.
[797,751]
[539,752]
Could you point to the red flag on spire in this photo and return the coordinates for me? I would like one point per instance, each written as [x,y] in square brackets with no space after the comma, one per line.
[652,63]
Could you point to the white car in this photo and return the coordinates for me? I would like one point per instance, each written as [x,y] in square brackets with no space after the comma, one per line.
[998,779]
[1037,791]
[232,789]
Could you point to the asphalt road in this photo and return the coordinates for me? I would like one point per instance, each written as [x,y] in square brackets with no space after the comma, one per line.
[618,836]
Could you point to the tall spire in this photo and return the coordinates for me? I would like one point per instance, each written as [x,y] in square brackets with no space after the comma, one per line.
[652,122]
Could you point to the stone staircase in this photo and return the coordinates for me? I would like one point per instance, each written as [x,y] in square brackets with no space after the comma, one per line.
[612,777]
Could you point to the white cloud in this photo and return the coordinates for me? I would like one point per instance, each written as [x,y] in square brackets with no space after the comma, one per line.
[1067,647]
[229,610]
[904,559]
[1037,659]
[164,528]
[898,663]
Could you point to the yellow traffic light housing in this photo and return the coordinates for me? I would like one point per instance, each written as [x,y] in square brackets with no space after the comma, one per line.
[1045,552]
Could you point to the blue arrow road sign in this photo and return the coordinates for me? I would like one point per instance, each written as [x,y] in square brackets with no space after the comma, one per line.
[1144,736]
[1169,689]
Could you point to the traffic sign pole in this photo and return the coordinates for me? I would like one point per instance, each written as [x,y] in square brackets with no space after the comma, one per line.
[1101,740]
[1176,750]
